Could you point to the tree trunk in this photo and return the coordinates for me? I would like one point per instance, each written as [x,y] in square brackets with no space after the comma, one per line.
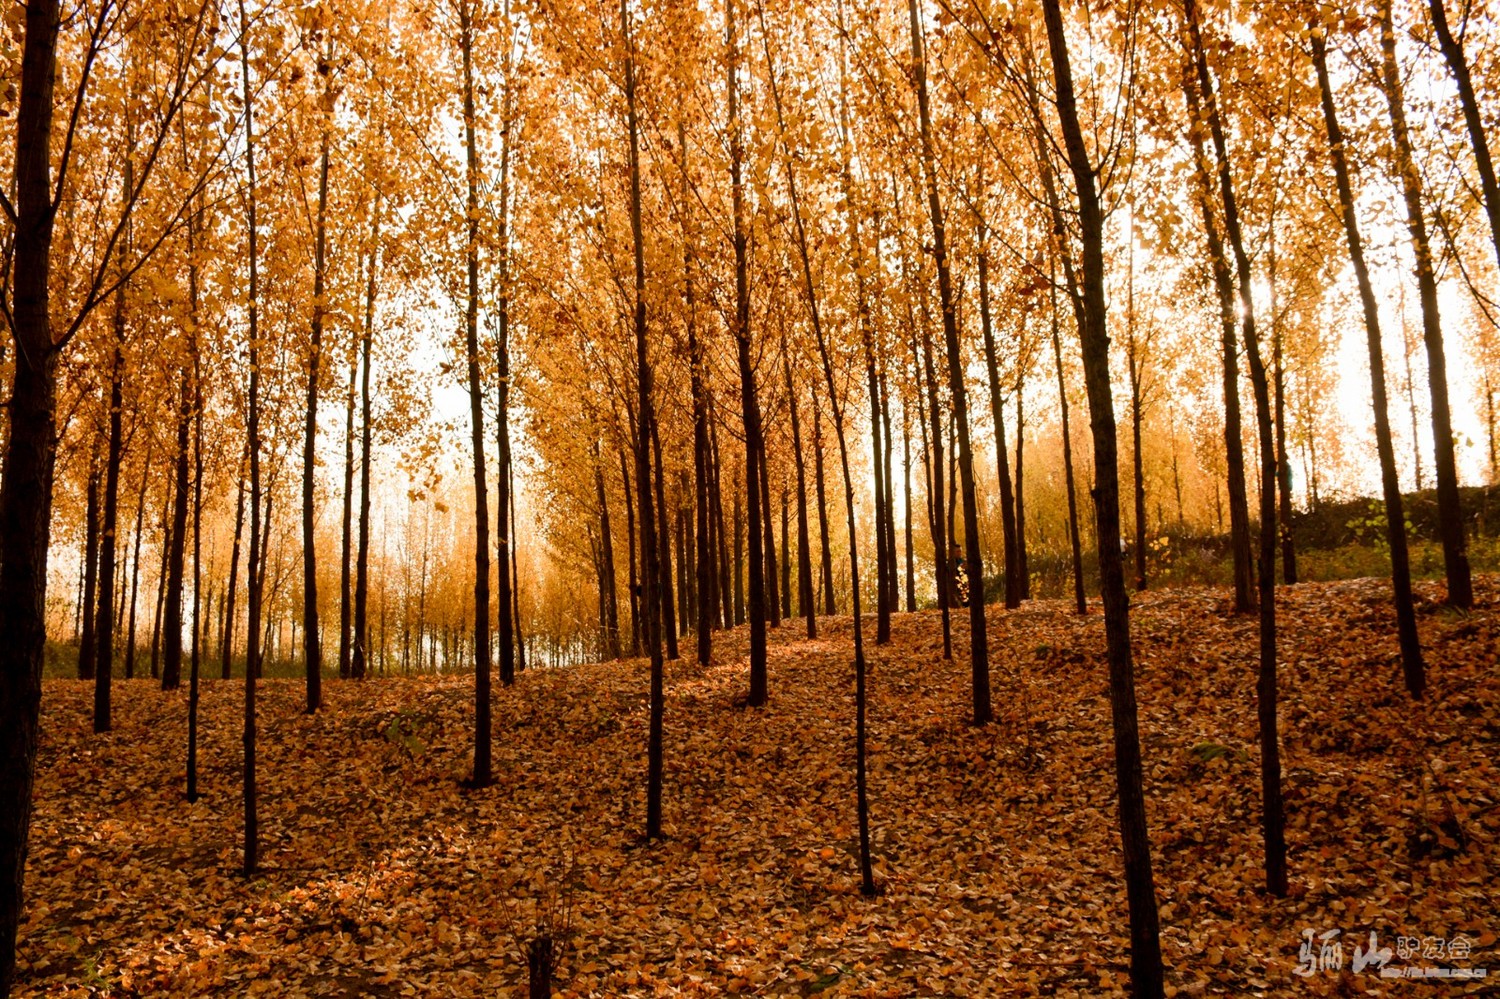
[256,579]
[935,494]
[636,636]
[664,550]
[135,563]
[359,651]
[88,643]
[768,530]
[1140,890]
[195,660]
[650,562]
[978,644]
[749,406]
[825,551]
[806,601]
[171,653]
[1272,809]
[1450,506]
[481,776]
[346,563]
[911,569]
[109,515]
[611,608]
[1406,618]
[997,411]
[226,606]
[1023,567]
[312,644]
[1075,543]
[1284,461]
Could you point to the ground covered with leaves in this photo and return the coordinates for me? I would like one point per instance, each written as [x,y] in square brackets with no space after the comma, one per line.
[995,848]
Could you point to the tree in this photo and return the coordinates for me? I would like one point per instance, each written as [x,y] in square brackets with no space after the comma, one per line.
[1140,889]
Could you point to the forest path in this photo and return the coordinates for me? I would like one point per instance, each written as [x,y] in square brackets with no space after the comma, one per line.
[996,848]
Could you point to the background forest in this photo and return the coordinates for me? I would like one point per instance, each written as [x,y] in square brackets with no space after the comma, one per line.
[366,339]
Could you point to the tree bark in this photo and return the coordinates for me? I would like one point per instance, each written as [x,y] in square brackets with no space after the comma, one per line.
[1412,665]
[481,776]
[226,606]
[135,563]
[359,653]
[312,644]
[1450,506]
[749,406]
[88,643]
[256,577]
[346,563]
[997,411]
[650,562]
[978,643]
[1140,890]
[1239,507]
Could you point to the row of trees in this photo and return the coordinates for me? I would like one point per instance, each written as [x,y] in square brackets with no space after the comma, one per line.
[703,266]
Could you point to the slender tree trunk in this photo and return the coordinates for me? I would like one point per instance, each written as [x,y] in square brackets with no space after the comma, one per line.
[911,569]
[1450,506]
[935,494]
[161,586]
[1002,459]
[650,562]
[729,590]
[636,631]
[1134,362]
[862,799]
[611,609]
[88,643]
[749,406]
[893,598]
[1140,890]
[359,651]
[1075,543]
[1022,567]
[135,565]
[664,550]
[171,658]
[227,605]
[786,559]
[706,606]
[346,563]
[825,551]
[109,515]
[1239,508]
[1272,809]
[256,579]
[312,644]
[515,574]
[1284,461]
[806,601]
[195,660]
[481,776]
[768,541]
[974,559]
[1406,618]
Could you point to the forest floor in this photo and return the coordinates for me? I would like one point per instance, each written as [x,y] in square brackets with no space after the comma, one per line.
[996,848]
